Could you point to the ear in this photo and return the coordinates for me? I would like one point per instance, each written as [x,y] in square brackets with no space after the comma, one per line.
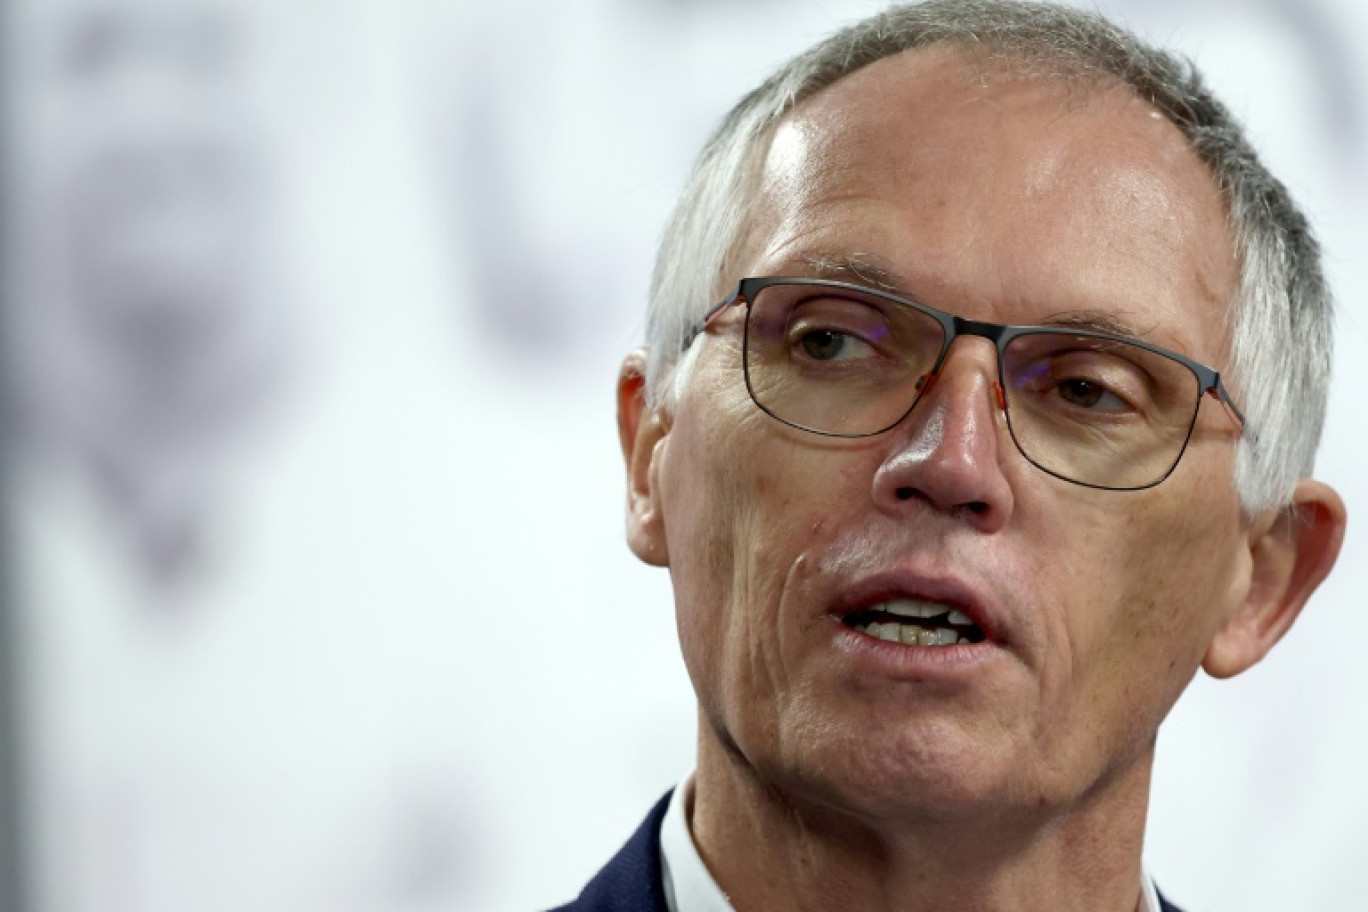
[1291,551]
[641,432]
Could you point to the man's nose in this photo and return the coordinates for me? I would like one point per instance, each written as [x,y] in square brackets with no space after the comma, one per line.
[949,452]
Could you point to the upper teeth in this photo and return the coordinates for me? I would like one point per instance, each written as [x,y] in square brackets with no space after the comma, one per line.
[916,609]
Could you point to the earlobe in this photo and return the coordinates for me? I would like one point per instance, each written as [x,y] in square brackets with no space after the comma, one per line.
[1290,554]
[642,432]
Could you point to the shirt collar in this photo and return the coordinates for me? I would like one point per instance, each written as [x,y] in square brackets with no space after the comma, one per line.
[689,887]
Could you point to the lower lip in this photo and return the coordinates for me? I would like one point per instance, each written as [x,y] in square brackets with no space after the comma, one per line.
[913,663]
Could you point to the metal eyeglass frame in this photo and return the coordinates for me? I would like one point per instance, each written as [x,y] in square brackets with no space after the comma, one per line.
[1000,334]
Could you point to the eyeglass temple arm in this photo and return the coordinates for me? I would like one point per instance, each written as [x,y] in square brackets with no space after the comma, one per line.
[1218,392]
[702,325]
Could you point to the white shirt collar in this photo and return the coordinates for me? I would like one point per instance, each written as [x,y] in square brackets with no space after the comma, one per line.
[689,887]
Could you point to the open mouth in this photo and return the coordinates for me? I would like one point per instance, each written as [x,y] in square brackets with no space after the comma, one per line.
[915,623]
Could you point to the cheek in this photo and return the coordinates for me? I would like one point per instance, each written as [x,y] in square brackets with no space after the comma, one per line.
[714,496]
[744,506]
[1152,592]
[1180,573]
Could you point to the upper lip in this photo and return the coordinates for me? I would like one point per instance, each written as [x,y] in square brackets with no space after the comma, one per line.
[869,591]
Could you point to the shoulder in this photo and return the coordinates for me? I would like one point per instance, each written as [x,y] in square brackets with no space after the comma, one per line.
[632,880]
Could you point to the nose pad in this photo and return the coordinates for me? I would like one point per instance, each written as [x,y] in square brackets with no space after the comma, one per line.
[928,380]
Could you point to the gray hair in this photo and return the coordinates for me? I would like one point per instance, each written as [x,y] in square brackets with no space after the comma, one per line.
[1280,336]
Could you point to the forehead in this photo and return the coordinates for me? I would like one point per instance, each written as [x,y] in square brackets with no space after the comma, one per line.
[1000,197]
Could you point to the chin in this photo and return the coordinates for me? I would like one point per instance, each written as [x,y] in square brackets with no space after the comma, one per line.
[924,773]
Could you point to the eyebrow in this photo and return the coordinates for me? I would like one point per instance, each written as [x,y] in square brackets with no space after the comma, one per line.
[1094,321]
[843,267]
[846,266]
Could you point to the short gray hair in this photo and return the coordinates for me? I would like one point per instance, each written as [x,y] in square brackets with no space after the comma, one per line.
[1280,324]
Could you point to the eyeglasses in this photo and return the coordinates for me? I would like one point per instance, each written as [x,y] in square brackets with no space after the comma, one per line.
[1093,408]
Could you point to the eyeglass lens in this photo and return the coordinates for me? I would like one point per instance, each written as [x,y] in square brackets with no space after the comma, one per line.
[1095,410]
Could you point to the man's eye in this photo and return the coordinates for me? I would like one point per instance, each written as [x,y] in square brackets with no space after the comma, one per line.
[833,345]
[824,344]
[1089,395]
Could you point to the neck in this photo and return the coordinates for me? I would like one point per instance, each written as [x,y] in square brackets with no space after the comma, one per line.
[769,850]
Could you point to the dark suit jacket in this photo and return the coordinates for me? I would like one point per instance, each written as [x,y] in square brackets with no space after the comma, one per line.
[632,881]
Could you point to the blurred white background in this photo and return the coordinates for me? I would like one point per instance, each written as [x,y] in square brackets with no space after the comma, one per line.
[317,597]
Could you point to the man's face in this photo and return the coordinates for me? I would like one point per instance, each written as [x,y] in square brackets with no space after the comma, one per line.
[998,200]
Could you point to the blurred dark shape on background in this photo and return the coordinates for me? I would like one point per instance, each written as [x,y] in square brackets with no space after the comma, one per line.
[144,331]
